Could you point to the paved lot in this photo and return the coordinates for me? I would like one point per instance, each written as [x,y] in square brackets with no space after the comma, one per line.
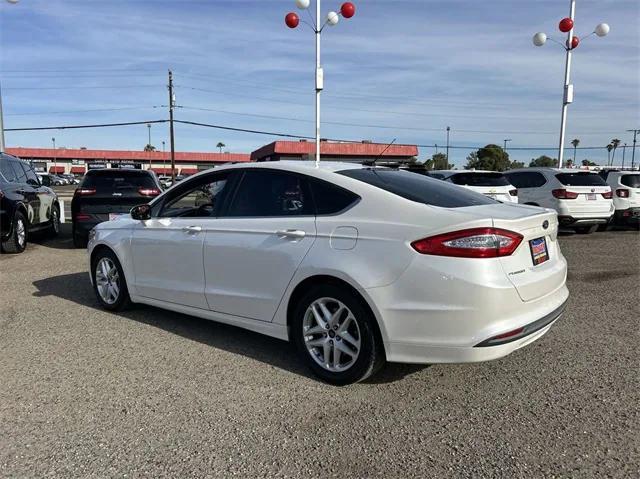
[153,393]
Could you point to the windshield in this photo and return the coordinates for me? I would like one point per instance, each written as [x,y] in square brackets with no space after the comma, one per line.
[479,179]
[419,188]
[580,179]
[632,181]
[121,181]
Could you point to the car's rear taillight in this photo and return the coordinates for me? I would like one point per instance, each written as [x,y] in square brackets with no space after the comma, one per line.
[84,192]
[149,191]
[622,193]
[607,195]
[513,192]
[470,243]
[563,194]
[82,217]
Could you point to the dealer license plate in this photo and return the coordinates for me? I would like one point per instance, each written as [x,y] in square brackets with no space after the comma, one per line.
[591,196]
[539,253]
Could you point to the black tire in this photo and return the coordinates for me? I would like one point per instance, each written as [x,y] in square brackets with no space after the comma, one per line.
[79,241]
[54,227]
[586,230]
[17,242]
[371,355]
[122,300]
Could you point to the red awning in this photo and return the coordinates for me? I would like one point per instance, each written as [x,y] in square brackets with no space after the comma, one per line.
[188,171]
[78,170]
[56,169]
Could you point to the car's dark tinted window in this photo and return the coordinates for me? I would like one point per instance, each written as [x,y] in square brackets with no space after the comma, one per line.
[419,188]
[526,179]
[632,181]
[331,199]
[199,198]
[479,179]
[7,170]
[30,175]
[122,181]
[580,179]
[271,193]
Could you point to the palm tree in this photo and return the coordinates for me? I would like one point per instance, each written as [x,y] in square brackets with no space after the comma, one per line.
[609,148]
[615,143]
[575,142]
[220,146]
[149,147]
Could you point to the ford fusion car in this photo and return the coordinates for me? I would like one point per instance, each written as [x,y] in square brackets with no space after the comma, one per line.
[356,265]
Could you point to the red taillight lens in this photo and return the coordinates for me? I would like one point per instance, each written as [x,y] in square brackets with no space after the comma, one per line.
[513,192]
[622,193]
[149,191]
[82,217]
[563,194]
[84,192]
[515,332]
[471,243]
[607,195]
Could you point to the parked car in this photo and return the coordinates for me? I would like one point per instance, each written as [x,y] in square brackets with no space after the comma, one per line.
[49,180]
[107,194]
[165,181]
[489,183]
[71,179]
[582,198]
[356,265]
[26,205]
[625,186]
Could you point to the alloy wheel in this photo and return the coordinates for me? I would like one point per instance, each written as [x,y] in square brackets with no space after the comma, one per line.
[55,218]
[331,334]
[107,280]
[21,232]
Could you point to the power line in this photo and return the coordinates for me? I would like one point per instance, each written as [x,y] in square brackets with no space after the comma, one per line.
[73,127]
[83,111]
[111,87]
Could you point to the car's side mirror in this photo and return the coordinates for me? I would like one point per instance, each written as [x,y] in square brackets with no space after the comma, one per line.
[141,212]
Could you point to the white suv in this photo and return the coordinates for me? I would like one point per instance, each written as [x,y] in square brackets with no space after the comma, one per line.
[582,199]
[489,183]
[625,186]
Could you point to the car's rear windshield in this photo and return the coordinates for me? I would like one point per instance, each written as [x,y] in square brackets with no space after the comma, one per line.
[580,179]
[419,188]
[479,179]
[118,181]
[632,181]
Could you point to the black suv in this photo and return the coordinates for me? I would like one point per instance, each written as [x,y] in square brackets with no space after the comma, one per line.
[106,194]
[26,205]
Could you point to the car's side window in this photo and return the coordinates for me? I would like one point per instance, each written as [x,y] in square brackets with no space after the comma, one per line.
[523,179]
[31,176]
[7,171]
[21,176]
[331,199]
[267,193]
[537,179]
[201,198]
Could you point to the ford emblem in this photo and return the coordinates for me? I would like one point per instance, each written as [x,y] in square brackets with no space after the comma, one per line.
[545,224]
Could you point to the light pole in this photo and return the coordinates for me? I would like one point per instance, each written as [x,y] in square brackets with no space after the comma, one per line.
[55,157]
[164,159]
[539,39]
[505,144]
[633,150]
[347,10]
[149,143]
[448,130]
[1,116]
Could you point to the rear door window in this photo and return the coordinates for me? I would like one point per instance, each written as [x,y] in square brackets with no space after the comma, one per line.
[7,170]
[124,182]
[479,179]
[418,188]
[30,175]
[632,181]
[331,199]
[580,179]
[526,179]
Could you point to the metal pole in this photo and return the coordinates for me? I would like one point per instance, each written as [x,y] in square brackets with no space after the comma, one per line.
[149,128]
[164,159]
[568,88]
[448,130]
[171,136]
[55,157]
[624,150]
[505,144]
[633,150]
[1,124]
[319,82]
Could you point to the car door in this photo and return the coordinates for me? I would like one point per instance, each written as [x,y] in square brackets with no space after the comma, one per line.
[254,249]
[167,249]
[28,190]
[45,198]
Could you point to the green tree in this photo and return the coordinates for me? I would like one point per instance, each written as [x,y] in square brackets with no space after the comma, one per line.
[586,162]
[609,148]
[491,157]
[575,142]
[543,160]
[220,146]
[614,143]
[516,164]
[438,162]
[149,147]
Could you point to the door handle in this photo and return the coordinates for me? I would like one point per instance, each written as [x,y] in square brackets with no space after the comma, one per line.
[291,233]
[192,229]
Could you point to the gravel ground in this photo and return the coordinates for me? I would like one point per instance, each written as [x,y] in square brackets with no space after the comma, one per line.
[149,393]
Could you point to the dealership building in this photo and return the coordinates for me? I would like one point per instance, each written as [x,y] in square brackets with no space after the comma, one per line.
[78,161]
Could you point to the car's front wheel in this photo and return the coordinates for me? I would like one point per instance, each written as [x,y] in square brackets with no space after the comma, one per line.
[336,335]
[109,282]
[54,227]
[17,241]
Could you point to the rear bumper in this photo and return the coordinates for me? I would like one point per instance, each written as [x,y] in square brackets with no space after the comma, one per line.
[630,216]
[583,221]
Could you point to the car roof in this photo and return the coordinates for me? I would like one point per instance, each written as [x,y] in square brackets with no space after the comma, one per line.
[102,171]
[550,170]
[465,171]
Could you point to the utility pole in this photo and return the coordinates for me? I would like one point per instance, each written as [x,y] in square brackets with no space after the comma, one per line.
[55,157]
[505,144]
[149,143]
[164,160]
[624,150]
[633,151]
[172,101]
[1,125]
[568,87]
[448,130]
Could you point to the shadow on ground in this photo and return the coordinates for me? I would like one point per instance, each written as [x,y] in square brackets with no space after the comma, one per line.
[76,287]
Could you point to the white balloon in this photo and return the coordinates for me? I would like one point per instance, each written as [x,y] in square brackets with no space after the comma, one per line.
[333,18]
[302,4]
[539,39]
[602,30]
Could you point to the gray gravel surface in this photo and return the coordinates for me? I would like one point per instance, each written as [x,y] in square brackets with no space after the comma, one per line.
[149,393]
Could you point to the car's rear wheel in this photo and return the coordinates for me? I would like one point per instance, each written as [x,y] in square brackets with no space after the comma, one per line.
[585,230]
[17,241]
[109,282]
[54,227]
[336,335]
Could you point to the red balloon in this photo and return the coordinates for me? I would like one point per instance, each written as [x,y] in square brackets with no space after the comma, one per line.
[292,20]
[566,24]
[575,41]
[348,10]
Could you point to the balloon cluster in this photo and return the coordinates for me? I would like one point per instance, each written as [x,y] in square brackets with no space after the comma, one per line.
[347,10]
[565,26]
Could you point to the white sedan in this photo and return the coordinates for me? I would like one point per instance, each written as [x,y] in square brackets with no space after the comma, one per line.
[354,264]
